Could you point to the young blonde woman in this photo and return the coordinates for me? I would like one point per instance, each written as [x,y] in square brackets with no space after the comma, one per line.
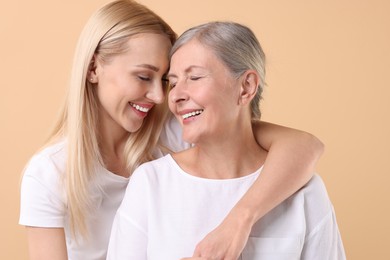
[217,77]
[115,118]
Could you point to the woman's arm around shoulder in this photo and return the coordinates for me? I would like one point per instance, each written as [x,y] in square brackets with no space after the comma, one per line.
[290,163]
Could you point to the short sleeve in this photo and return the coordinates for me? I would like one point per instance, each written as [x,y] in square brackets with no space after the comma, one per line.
[323,239]
[42,203]
[324,242]
[171,136]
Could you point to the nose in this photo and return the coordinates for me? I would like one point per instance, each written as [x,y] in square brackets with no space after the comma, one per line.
[178,93]
[156,93]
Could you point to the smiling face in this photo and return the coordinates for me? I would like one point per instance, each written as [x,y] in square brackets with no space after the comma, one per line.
[204,95]
[130,84]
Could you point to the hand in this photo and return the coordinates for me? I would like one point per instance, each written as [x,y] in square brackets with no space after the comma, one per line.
[226,241]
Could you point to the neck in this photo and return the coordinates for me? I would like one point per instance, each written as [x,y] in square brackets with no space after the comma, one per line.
[112,140]
[231,156]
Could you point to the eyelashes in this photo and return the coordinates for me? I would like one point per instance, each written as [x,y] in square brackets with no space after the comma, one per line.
[191,78]
[164,81]
[195,78]
[144,78]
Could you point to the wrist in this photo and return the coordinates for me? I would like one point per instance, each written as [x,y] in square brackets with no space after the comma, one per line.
[245,216]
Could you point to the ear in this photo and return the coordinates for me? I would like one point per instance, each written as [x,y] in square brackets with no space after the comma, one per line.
[92,71]
[249,83]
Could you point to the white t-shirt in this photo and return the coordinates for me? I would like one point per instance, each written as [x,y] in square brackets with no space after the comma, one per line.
[43,200]
[166,212]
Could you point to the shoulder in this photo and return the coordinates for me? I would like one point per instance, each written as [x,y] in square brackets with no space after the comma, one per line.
[317,204]
[55,152]
[154,172]
[315,190]
[153,167]
[48,164]
[42,195]
[145,182]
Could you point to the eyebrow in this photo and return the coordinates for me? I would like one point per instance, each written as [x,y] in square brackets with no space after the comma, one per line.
[172,75]
[148,66]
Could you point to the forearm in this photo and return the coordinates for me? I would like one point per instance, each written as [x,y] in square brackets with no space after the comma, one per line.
[290,163]
[292,156]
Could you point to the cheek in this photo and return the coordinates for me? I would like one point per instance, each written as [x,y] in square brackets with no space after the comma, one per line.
[171,106]
[108,94]
[105,99]
[171,101]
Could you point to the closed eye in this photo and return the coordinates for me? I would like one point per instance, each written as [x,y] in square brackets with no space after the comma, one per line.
[143,78]
[195,78]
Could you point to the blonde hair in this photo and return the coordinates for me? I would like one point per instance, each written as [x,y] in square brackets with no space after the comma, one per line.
[105,35]
[237,48]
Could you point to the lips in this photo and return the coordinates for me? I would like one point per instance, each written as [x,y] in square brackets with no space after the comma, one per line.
[192,113]
[141,107]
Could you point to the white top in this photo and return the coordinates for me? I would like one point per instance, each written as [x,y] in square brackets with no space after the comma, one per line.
[43,200]
[166,212]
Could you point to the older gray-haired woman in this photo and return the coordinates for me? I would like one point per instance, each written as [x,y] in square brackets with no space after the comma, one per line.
[216,76]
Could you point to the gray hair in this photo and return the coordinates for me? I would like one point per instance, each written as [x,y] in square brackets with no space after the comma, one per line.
[236,46]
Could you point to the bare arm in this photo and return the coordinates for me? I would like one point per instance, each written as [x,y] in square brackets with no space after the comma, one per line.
[290,163]
[46,243]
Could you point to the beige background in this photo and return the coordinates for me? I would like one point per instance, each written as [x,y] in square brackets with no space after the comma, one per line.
[328,73]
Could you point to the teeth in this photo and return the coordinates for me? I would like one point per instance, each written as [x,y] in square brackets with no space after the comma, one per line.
[138,107]
[193,113]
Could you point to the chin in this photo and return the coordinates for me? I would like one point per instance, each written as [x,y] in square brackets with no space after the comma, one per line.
[132,128]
